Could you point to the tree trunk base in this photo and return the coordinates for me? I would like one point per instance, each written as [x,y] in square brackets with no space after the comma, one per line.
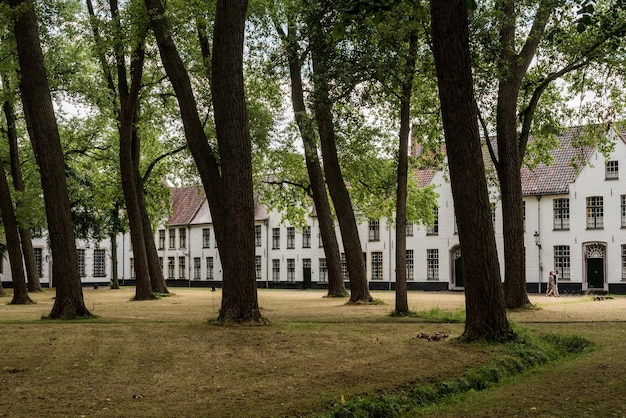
[23,300]
[71,312]
[150,296]
[343,293]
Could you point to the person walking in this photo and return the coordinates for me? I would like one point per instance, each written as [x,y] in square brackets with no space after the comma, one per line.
[556,284]
[550,290]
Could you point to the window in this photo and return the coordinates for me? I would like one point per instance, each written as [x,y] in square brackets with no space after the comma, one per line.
[409,230]
[182,238]
[81,262]
[377,265]
[306,237]
[291,269]
[172,232]
[344,267]
[209,268]
[562,261]
[561,213]
[257,235]
[196,268]
[320,243]
[323,270]
[257,266]
[374,228]
[161,264]
[275,238]
[432,264]
[38,261]
[206,237]
[595,212]
[170,267]
[276,270]
[133,273]
[493,215]
[410,273]
[291,237]
[623,262]
[524,215]
[181,267]
[612,170]
[624,211]
[161,239]
[99,267]
[434,228]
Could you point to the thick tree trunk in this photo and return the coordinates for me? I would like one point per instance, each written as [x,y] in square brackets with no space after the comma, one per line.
[229,193]
[239,295]
[484,298]
[359,291]
[336,287]
[33,284]
[44,134]
[20,293]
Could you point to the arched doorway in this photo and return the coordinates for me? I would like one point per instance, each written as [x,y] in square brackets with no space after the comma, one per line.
[595,261]
[457,269]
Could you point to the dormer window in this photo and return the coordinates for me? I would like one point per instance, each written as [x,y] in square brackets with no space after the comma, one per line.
[612,170]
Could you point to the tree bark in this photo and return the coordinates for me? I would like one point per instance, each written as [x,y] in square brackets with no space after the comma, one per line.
[235,150]
[129,97]
[33,284]
[20,293]
[44,134]
[359,290]
[336,287]
[402,304]
[228,192]
[484,297]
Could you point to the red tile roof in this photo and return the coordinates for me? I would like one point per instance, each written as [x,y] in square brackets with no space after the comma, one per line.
[186,202]
[555,178]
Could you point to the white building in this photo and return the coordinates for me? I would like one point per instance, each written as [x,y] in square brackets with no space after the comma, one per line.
[575,223]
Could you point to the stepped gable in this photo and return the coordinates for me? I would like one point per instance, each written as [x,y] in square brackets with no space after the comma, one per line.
[186,201]
[555,178]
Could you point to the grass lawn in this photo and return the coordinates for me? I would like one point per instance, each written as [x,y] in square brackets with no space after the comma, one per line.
[163,358]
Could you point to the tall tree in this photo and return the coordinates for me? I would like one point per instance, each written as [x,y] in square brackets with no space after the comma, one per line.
[28,252]
[484,297]
[336,287]
[228,186]
[320,45]
[20,293]
[558,40]
[44,134]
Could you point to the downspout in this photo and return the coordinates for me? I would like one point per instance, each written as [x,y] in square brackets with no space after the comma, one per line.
[267,253]
[540,267]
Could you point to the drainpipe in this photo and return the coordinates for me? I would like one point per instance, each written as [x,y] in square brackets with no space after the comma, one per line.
[538,242]
[267,253]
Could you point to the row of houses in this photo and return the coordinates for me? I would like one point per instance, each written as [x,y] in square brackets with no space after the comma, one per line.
[574,219]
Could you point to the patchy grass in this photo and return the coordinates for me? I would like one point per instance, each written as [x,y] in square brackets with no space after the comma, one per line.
[164,358]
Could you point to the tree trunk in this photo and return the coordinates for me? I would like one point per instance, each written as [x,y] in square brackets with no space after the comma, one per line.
[128,97]
[33,284]
[509,164]
[509,175]
[44,134]
[239,301]
[359,291]
[336,287]
[20,293]
[157,278]
[229,193]
[402,304]
[484,297]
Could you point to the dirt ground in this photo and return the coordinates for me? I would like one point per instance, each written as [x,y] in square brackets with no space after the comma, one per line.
[164,358]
